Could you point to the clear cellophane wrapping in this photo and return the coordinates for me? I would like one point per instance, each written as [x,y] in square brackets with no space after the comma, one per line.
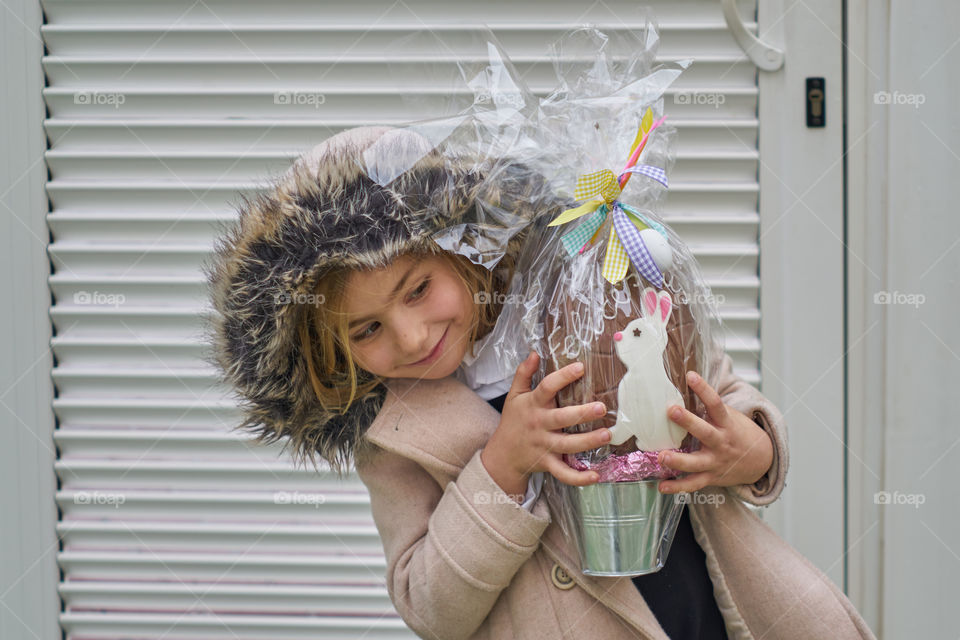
[520,156]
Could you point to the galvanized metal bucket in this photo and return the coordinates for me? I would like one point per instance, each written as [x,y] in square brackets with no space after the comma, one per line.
[625,528]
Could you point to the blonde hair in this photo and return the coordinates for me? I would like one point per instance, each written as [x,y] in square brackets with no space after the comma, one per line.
[336,378]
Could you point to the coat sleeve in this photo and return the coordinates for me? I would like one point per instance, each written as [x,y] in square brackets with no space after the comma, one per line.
[743,397]
[450,551]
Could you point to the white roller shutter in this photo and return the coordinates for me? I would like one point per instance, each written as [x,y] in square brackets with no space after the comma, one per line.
[158,114]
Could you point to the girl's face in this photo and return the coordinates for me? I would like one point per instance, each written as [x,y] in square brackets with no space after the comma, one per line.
[409,320]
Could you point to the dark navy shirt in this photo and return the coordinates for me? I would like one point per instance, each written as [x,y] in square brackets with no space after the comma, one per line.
[680,594]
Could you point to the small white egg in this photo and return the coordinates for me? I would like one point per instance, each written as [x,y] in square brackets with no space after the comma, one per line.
[658,247]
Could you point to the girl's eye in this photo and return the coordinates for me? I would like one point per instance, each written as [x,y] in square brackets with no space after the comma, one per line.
[365,333]
[423,287]
[416,294]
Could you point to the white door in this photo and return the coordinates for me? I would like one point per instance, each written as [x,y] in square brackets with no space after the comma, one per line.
[802,252]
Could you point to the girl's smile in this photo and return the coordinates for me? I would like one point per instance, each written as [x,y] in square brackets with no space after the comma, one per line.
[409,320]
[435,353]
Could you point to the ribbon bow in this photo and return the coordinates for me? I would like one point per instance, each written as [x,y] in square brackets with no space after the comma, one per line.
[601,190]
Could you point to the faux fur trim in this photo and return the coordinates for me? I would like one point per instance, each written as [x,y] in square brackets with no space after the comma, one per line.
[327,212]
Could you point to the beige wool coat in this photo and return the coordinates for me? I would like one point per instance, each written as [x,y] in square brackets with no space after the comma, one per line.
[466,561]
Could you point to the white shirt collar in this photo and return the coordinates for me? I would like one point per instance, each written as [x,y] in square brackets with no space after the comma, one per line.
[489,371]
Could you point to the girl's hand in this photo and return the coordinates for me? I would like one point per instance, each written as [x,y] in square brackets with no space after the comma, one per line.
[733,448]
[526,440]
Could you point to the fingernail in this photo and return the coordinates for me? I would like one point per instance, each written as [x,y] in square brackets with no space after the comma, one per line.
[605,436]
[599,409]
[692,377]
[578,367]
[676,412]
[666,459]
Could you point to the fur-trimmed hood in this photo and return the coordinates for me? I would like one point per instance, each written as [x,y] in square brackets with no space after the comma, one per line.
[340,206]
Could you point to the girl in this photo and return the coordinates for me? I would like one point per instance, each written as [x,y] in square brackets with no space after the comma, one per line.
[352,308]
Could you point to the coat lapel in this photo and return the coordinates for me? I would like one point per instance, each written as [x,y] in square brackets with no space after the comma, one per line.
[438,423]
[779,592]
[706,517]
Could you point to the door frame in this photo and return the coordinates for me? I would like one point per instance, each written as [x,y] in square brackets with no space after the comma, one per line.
[29,545]
[802,252]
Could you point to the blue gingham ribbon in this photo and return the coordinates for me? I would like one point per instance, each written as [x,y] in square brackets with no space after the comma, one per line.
[629,237]
[656,173]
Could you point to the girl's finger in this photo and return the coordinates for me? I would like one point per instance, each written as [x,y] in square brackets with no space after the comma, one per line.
[577,442]
[553,382]
[688,484]
[576,414]
[567,475]
[524,375]
[700,428]
[711,399]
[690,462]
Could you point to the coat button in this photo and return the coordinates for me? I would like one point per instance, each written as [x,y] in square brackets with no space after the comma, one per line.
[561,579]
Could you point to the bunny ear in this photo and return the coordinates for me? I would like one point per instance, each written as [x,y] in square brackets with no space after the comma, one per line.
[666,304]
[649,301]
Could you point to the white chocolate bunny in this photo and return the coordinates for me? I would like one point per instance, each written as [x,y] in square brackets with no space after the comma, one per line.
[645,391]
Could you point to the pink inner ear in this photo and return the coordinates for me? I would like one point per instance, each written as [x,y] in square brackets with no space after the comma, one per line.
[665,305]
[650,302]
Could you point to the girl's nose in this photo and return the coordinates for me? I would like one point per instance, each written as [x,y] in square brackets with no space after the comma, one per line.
[412,339]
